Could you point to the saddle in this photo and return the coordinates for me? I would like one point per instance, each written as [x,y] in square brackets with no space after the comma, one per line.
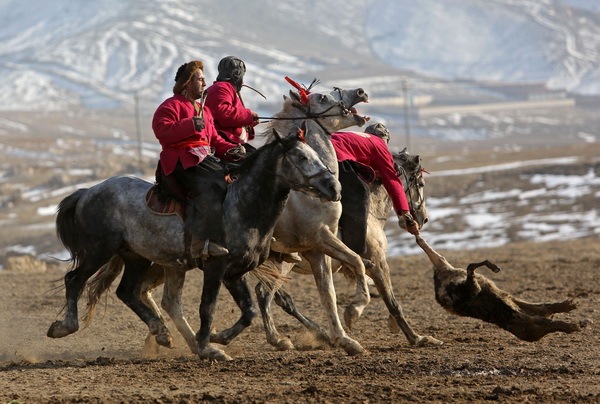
[166,197]
[162,205]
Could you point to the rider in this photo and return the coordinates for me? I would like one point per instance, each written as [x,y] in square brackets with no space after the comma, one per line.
[362,157]
[234,122]
[187,134]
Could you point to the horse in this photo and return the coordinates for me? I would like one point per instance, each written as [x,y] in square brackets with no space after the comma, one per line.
[410,170]
[108,225]
[321,114]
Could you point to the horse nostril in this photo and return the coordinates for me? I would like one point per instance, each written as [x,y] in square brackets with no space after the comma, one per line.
[360,92]
[425,221]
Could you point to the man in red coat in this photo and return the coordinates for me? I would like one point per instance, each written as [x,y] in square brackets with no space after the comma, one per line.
[186,131]
[366,155]
[234,122]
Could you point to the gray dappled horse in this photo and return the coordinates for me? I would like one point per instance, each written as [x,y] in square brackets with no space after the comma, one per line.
[411,173]
[110,224]
[307,224]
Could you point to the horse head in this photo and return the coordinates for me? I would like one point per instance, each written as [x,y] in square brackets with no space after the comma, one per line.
[304,171]
[410,172]
[333,111]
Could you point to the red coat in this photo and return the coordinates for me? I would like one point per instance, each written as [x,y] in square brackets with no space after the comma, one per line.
[229,112]
[173,126]
[373,152]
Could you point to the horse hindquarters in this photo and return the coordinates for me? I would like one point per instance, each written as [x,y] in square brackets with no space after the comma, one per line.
[83,244]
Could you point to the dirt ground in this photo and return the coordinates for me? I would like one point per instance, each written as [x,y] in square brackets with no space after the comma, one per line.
[478,362]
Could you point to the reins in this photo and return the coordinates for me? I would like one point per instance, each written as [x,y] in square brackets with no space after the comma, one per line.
[314,116]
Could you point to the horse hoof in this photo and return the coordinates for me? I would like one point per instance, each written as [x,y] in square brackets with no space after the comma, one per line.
[284,344]
[353,348]
[427,340]
[58,330]
[214,354]
[220,338]
[351,315]
[164,340]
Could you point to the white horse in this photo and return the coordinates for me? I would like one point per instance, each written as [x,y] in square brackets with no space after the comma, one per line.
[411,174]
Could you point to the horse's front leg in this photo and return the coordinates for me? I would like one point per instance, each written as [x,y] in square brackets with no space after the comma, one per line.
[240,291]
[213,276]
[324,279]
[332,246]
[380,274]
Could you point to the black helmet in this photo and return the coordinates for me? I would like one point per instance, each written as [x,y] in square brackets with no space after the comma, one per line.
[379,130]
[232,69]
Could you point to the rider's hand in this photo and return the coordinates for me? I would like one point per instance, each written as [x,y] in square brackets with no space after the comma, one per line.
[238,152]
[254,119]
[407,222]
[198,123]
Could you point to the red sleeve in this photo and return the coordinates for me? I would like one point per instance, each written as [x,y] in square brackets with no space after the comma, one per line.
[222,100]
[173,122]
[221,145]
[384,163]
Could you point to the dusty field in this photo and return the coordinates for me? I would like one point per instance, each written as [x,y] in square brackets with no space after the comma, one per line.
[478,362]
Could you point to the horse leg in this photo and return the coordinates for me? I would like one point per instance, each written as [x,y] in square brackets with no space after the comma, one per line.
[213,276]
[152,279]
[396,322]
[74,282]
[333,247]
[129,292]
[240,291]
[321,266]
[171,303]
[264,297]
[285,301]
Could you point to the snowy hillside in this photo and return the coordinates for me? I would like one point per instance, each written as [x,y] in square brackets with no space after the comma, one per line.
[64,53]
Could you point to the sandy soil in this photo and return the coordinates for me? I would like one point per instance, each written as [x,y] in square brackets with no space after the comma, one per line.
[106,362]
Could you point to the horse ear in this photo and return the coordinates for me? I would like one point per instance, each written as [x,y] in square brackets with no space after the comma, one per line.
[277,136]
[304,126]
[405,150]
[294,96]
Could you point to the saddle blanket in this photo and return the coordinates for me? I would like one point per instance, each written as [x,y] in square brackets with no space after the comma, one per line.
[159,205]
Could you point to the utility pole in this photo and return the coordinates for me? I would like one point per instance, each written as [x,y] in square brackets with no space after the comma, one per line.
[139,131]
[406,114]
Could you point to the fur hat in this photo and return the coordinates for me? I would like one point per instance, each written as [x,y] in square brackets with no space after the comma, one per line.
[380,130]
[184,74]
[232,70]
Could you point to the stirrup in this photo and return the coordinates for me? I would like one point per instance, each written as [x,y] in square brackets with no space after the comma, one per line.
[212,250]
[204,254]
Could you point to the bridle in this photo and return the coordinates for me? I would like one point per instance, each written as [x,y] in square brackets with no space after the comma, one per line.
[315,116]
[305,179]
[412,184]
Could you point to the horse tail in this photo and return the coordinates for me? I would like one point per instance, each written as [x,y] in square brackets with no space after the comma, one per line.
[269,275]
[100,284]
[67,227]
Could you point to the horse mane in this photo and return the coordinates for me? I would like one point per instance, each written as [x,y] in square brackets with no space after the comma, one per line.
[288,111]
[247,164]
